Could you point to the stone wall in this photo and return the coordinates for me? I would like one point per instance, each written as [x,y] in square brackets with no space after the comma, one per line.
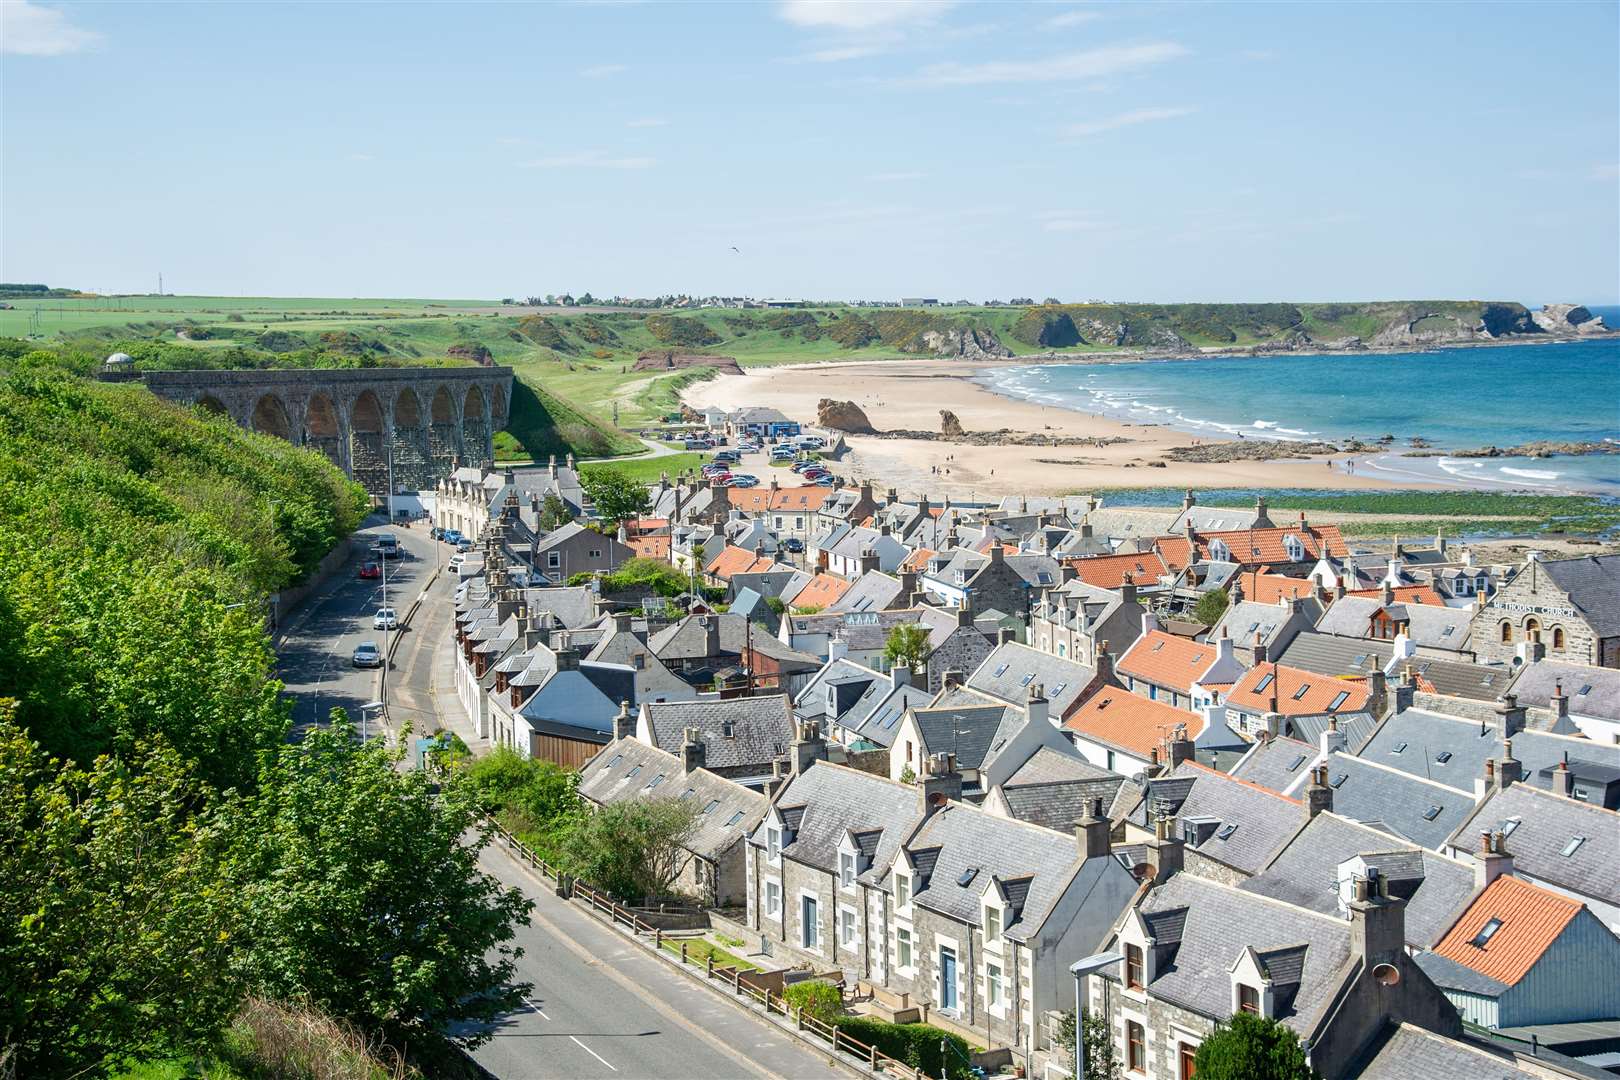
[1532,603]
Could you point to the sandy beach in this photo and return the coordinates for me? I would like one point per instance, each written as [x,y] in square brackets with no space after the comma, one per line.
[909,394]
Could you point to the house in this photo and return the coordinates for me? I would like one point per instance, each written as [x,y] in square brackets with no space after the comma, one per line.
[1521,954]
[1562,843]
[738,568]
[1196,952]
[573,549]
[714,872]
[787,511]
[762,422]
[741,736]
[1591,695]
[1428,630]
[567,708]
[988,742]
[846,506]
[874,590]
[817,593]
[1011,669]
[855,705]
[852,550]
[1144,569]
[1124,732]
[1571,607]
[1409,807]
[1181,673]
[624,646]
[1263,587]
[705,648]
[1220,518]
[1054,788]
[1289,547]
[1358,658]
[1075,618]
[469,497]
[1270,689]
[1315,867]
[1261,630]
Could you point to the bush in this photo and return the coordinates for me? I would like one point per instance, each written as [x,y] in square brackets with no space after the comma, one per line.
[1210,607]
[1250,1047]
[817,998]
[918,1045]
[688,332]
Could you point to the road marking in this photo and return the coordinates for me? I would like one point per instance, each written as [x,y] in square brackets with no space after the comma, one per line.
[531,1004]
[594,1054]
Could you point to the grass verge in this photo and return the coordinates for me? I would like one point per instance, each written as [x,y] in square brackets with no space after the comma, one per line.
[699,950]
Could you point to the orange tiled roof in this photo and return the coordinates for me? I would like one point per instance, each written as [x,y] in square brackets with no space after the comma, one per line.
[642,526]
[1405,594]
[1166,660]
[650,547]
[1108,571]
[758,500]
[1130,721]
[1298,693]
[738,560]
[820,591]
[1264,588]
[1531,920]
[1250,547]
[918,559]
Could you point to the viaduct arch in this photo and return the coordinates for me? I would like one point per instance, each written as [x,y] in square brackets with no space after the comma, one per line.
[420,418]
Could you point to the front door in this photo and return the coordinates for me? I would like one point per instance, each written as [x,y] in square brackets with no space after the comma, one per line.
[809,930]
[947,978]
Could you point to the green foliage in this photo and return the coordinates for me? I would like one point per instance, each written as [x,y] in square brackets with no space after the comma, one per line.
[640,573]
[543,424]
[907,645]
[816,998]
[1250,1047]
[917,1045]
[853,332]
[361,892]
[115,933]
[1211,606]
[690,333]
[615,497]
[1098,1044]
[776,605]
[554,512]
[1046,328]
[634,850]
[536,800]
[545,333]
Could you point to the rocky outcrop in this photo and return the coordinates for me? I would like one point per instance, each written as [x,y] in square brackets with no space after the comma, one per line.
[843,416]
[1002,437]
[474,351]
[1428,328]
[1567,319]
[1540,449]
[661,360]
[1249,450]
[949,425]
[967,342]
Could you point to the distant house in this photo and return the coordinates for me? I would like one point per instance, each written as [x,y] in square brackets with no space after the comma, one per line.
[762,422]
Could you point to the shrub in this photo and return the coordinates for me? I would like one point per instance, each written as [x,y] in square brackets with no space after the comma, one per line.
[1210,607]
[817,998]
[688,332]
[918,1045]
[1250,1047]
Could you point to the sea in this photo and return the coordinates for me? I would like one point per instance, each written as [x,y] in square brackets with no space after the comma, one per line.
[1451,399]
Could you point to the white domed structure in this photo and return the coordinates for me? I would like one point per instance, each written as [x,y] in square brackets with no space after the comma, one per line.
[119,359]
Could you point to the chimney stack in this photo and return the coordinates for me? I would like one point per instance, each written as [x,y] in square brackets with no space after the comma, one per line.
[1563,781]
[1377,922]
[1188,500]
[1560,702]
[1510,716]
[953,679]
[1037,708]
[1492,860]
[1333,740]
[939,783]
[624,724]
[1103,663]
[693,753]
[1378,692]
[1127,589]
[1318,796]
[1178,747]
[1165,851]
[1093,831]
[1067,572]
[869,561]
[808,746]
[1509,769]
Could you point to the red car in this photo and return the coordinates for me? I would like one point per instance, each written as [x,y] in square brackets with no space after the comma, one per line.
[370,570]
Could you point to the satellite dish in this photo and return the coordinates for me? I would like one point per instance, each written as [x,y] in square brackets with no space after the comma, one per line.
[1387,975]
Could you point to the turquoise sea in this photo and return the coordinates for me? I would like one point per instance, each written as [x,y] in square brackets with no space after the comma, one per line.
[1451,398]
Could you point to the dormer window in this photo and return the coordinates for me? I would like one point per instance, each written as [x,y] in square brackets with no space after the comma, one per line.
[1248,999]
[773,844]
[846,870]
[902,890]
[1133,967]
[992,924]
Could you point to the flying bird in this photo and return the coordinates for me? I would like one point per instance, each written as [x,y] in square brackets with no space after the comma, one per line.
[734,249]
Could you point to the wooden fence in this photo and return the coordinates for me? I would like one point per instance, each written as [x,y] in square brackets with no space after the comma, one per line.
[733,979]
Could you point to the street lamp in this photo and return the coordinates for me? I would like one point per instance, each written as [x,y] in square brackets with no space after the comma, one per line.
[365,709]
[1091,965]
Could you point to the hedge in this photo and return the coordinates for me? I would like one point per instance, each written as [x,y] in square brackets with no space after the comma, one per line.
[915,1044]
[817,998]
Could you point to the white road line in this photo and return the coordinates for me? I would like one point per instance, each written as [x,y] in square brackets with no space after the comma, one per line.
[530,1003]
[593,1054]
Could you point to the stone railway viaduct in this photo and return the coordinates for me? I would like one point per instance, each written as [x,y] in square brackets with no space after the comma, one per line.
[425,417]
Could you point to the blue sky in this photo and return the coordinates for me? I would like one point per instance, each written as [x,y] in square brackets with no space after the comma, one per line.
[1130,152]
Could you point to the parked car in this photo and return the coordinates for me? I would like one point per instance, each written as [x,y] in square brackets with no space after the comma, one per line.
[370,570]
[815,474]
[366,654]
[389,546]
[436,533]
[744,481]
[794,545]
[455,563]
[463,546]
[385,619]
[800,466]
[824,480]
[451,536]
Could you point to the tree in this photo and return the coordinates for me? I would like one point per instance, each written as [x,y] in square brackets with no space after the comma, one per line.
[1211,606]
[114,930]
[615,497]
[554,512]
[907,646]
[1250,1047]
[634,850]
[362,894]
[1097,1042]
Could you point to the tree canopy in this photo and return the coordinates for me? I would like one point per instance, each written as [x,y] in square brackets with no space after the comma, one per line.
[1250,1047]
[615,497]
[907,646]
[1211,607]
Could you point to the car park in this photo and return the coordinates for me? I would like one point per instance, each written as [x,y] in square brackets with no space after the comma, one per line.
[366,654]
[824,480]
[743,481]
[385,619]
[370,569]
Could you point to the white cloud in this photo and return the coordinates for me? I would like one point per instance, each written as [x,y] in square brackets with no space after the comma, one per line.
[896,177]
[1126,119]
[838,54]
[1072,18]
[26,29]
[861,14]
[646,122]
[1066,67]
[589,159]
[602,71]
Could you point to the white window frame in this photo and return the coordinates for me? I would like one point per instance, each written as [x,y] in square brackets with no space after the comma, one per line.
[773,891]
[805,940]
[905,963]
[773,845]
[553,560]
[848,919]
[848,866]
[995,988]
[986,913]
[902,884]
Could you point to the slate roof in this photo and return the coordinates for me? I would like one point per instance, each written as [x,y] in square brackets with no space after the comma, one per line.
[1051,766]
[872,591]
[1327,654]
[1304,870]
[1592,691]
[1275,763]
[1011,669]
[1450,975]
[1248,618]
[1119,523]
[571,703]
[1131,722]
[1217,923]
[876,717]
[850,679]
[1398,801]
[1593,584]
[1166,660]
[1432,627]
[1254,822]
[829,800]
[1545,826]
[1529,919]
[1059,804]
[969,733]
[605,779]
[653,679]
[762,729]
[1407,1051]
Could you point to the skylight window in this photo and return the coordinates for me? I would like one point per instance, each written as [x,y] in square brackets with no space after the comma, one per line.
[635,772]
[1446,631]
[1573,846]
[1361,658]
[1226,832]
[1339,699]
[659,779]
[1583,691]
[689,792]
[1304,688]
[1509,825]
[738,816]
[1029,677]
[1000,671]
[1157,645]
[1432,812]
[1297,762]
[711,807]
[1058,689]
[1252,628]
[966,877]
[1265,682]
[614,764]
[1338,781]
[1486,932]
[1400,748]
[1442,757]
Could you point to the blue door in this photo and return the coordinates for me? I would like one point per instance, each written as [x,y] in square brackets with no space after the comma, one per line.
[947,978]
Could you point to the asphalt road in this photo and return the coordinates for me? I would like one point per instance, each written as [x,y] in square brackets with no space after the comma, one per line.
[315,654]
[602,1008]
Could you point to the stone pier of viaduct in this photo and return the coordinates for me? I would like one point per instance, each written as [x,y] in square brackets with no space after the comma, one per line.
[422,417]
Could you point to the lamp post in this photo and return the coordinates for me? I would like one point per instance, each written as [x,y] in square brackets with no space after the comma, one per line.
[1091,965]
[365,710]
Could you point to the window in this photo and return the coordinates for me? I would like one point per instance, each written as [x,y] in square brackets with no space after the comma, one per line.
[773,899]
[809,928]
[1304,688]
[992,924]
[1507,631]
[1400,748]
[655,781]
[1558,637]
[846,869]
[1000,671]
[595,553]
[1248,999]
[1446,631]
[965,878]
[902,947]
[846,927]
[553,559]
[1029,677]
[773,843]
[1573,846]
[1339,699]
[1509,825]
[992,986]
[1442,757]
[713,803]
[614,764]
[1264,682]
[1135,1047]
[738,816]
[1186,1061]
[1432,812]
[1133,967]
[902,890]
[1226,832]
[1486,932]
[633,773]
